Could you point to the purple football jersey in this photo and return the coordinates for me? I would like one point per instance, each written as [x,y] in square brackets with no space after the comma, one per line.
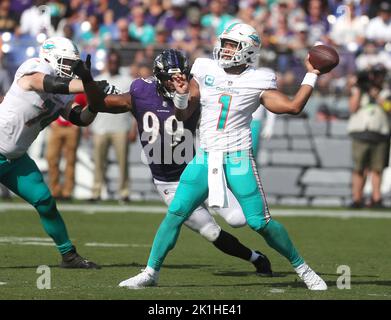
[168,144]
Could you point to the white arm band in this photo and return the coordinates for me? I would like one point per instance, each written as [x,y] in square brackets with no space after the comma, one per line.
[310,79]
[180,100]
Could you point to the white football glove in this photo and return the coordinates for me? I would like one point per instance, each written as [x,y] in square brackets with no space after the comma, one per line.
[110,89]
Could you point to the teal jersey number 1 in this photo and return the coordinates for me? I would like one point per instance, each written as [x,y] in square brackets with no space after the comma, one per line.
[225,101]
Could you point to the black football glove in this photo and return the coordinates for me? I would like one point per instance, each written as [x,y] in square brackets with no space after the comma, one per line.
[83,69]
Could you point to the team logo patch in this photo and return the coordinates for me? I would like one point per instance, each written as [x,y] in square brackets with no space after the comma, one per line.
[209,80]
[215,171]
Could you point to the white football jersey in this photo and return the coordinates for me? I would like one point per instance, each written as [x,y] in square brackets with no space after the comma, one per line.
[23,114]
[227,104]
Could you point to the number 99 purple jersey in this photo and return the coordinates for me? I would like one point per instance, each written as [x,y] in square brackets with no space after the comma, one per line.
[168,144]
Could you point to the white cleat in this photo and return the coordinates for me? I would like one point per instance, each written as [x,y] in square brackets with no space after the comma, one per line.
[310,278]
[142,280]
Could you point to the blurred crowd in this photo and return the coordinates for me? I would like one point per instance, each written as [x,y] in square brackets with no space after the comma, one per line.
[359,29]
[124,36]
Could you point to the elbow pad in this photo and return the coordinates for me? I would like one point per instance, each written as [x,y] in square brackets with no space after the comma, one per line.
[81,117]
[52,84]
[74,116]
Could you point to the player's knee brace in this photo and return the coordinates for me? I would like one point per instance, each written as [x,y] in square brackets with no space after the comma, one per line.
[210,232]
[236,219]
[256,222]
[46,207]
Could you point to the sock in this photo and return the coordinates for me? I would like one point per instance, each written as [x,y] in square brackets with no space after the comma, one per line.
[254,256]
[165,239]
[54,225]
[151,271]
[228,244]
[277,237]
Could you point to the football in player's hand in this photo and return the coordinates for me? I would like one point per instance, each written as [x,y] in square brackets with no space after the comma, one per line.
[323,58]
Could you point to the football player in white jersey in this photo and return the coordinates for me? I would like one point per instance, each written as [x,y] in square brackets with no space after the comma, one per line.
[42,90]
[228,89]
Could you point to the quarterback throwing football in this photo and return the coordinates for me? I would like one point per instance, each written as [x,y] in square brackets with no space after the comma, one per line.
[227,90]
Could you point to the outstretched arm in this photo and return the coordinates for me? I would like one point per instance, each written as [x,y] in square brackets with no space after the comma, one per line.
[185,90]
[117,103]
[277,102]
[42,82]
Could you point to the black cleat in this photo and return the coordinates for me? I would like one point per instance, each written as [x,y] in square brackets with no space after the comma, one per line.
[72,260]
[263,266]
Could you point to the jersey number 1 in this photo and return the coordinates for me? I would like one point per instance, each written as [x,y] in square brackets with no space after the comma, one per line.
[225,101]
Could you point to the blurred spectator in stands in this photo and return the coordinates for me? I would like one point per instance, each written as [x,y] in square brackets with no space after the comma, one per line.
[379,28]
[193,43]
[217,20]
[122,35]
[349,29]
[139,29]
[289,10]
[57,12]
[261,15]
[247,13]
[144,70]
[120,8]
[37,19]
[372,55]
[155,12]
[63,141]
[316,19]
[18,6]
[144,56]
[268,55]
[95,36]
[8,18]
[175,20]
[342,77]
[299,43]
[161,37]
[369,129]
[282,40]
[112,129]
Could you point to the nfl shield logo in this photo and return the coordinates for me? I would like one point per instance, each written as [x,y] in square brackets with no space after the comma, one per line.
[209,80]
[230,83]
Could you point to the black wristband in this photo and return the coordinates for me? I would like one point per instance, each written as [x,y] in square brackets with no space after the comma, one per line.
[52,84]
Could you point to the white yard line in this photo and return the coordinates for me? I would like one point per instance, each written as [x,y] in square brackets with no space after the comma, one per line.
[35,241]
[92,209]
[116,245]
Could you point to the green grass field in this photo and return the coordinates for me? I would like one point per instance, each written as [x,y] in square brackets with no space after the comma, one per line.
[120,242]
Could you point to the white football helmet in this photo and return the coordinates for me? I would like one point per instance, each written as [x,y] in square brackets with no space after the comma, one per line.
[247,50]
[60,53]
